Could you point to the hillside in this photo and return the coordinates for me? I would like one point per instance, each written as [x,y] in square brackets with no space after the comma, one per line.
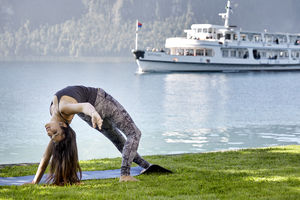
[83,28]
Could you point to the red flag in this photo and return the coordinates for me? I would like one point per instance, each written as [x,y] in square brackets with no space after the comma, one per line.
[140,25]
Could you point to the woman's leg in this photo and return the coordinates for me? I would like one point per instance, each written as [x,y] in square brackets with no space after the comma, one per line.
[116,137]
[119,118]
[106,108]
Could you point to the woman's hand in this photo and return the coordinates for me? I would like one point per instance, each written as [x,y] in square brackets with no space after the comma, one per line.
[96,119]
[86,108]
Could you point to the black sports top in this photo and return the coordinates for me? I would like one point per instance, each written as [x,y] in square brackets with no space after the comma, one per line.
[80,93]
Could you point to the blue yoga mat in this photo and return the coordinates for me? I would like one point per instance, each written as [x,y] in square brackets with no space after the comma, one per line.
[86,175]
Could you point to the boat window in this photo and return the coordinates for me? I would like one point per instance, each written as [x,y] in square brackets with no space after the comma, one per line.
[189,52]
[295,54]
[295,40]
[240,54]
[199,52]
[179,52]
[256,54]
[292,39]
[257,38]
[219,36]
[210,30]
[235,37]
[225,53]
[272,55]
[269,38]
[263,54]
[250,37]
[246,55]
[282,54]
[199,30]
[205,30]
[233,53]
[208,52]
[284,39]
[243,37]
[286,54]
[228,36]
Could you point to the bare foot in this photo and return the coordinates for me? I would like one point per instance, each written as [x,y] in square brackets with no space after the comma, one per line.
[79,183]
[127,179]
[30,183]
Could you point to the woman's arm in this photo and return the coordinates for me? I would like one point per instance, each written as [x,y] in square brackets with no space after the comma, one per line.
[43,164]
[86,108]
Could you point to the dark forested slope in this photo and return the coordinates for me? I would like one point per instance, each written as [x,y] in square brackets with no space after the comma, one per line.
[107,27]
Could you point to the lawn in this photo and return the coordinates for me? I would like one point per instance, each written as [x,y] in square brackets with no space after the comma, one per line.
[267,173]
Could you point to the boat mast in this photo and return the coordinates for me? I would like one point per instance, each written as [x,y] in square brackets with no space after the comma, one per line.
[226,15]
[136,35]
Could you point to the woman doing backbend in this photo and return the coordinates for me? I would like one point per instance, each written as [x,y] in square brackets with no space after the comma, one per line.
[99,110]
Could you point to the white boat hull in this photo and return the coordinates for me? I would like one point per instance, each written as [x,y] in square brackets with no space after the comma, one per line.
[164,66]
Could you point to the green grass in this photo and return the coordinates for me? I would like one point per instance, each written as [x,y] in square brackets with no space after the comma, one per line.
[268,173]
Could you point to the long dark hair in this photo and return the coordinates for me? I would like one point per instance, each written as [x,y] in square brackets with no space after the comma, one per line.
[64,166]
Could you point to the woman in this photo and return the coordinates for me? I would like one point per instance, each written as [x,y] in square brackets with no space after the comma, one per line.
[99,110]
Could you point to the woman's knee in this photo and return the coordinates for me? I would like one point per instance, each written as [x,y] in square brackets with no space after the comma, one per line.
[134,135]
[137,134]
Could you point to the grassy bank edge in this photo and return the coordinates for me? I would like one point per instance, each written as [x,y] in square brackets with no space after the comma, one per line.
[24,169]
[262,173]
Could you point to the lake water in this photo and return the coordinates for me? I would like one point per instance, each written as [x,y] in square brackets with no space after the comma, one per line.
[176,112]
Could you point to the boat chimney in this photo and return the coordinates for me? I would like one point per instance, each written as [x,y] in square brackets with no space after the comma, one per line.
[226,15]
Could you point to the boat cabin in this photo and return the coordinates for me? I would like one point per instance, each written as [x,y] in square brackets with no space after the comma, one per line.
[205,32]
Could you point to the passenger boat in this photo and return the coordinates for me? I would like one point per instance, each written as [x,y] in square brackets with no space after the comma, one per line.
[209,47]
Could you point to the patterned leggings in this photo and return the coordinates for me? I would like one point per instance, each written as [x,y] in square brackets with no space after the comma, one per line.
[116,119]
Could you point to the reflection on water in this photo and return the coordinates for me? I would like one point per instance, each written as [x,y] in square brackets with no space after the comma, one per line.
[195,99]
[204,140]
[209,112]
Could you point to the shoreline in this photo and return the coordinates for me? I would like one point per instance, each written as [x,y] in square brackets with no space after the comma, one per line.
[67,59]
[16,164]
[179,154]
